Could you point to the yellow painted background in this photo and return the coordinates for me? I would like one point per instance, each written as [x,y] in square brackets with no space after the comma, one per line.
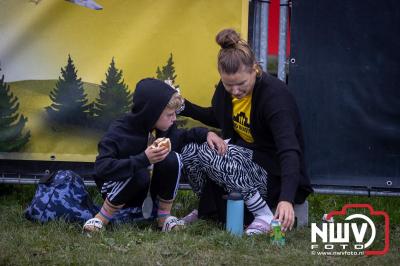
[35,40]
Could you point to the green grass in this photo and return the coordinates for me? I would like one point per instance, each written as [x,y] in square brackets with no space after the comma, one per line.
[204,243]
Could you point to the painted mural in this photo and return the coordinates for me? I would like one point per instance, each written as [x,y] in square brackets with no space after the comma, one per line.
[69,67]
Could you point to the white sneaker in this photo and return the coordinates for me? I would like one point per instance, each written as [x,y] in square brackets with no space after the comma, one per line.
[93,225]
[172,223]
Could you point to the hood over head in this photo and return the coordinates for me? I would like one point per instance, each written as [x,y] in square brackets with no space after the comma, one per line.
[150,98]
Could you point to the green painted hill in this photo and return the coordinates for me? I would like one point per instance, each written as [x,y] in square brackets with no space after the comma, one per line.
[66,143]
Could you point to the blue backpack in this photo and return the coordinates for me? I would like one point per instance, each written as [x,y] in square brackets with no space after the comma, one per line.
[64,195]
[61,195]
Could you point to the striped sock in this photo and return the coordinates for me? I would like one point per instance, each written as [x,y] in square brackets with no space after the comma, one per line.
[164,210]
[161,213]
[107,211]
[259,208]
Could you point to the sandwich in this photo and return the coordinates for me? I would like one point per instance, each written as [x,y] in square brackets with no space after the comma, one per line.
[162,142]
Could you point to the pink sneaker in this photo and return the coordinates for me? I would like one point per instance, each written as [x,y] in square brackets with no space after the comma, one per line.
[258,227]
[191,217]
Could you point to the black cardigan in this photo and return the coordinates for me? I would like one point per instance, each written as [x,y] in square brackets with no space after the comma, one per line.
[278,139]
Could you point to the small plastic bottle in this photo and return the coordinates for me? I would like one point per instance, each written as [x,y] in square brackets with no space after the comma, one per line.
[234,213]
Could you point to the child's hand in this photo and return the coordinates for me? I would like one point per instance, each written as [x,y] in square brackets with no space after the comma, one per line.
[215,142]
[156,155]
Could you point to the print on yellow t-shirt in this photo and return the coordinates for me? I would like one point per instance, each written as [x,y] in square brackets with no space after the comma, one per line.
[241,117]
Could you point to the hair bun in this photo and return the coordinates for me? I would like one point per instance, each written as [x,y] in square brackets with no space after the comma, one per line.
[227,38]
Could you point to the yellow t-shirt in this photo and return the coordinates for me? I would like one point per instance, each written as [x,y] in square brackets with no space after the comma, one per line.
[241,117]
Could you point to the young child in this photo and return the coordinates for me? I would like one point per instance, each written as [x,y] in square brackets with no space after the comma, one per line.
[126,152]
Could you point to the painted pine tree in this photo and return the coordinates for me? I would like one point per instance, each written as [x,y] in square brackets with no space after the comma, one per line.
[167,72]
[114,98]
[12,134]
[69,99]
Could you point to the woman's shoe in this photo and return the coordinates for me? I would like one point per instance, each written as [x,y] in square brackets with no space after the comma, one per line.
[191,217]
[258,227]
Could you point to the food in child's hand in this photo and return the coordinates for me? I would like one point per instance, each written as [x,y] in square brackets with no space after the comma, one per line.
[162,142]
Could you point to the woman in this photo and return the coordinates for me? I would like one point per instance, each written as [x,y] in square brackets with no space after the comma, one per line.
[264,159]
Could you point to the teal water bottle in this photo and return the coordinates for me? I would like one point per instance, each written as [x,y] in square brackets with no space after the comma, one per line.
[234,213]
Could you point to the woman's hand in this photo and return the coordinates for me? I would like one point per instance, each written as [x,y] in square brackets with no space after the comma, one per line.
[215,142]
[285,214]
[156,155]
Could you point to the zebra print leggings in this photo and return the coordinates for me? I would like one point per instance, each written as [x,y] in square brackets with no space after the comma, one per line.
[235,171]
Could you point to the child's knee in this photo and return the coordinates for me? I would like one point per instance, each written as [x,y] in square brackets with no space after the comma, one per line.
[170,163]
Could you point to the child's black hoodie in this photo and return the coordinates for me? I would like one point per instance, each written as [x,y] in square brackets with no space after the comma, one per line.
[121,150]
